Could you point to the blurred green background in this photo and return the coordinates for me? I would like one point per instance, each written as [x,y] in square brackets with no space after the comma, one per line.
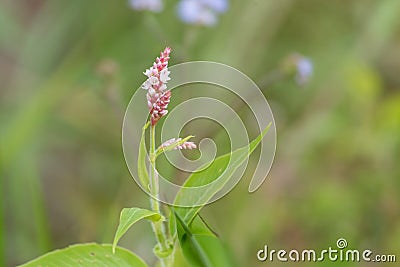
[69,68]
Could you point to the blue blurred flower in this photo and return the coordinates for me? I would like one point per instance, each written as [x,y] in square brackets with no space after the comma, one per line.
[305,69]
[203,12]
[219,6]
[151,5]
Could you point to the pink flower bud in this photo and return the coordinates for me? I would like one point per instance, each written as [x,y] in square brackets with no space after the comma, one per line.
[159,108]
[185,145]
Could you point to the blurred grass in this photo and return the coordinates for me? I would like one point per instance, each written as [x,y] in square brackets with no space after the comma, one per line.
[63,176]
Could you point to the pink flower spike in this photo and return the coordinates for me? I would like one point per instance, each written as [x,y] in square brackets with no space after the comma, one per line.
[169,142]
[159,108]
[162,61]
[158,96]
[185,145]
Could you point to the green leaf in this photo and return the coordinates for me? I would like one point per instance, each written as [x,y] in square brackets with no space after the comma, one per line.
[217,169]
[142,169]
[130,216]
[200,246]
[87,255]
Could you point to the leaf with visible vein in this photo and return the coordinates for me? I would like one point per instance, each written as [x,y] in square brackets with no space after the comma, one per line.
[200,246]
[87,255]
[130,216]
[201,186]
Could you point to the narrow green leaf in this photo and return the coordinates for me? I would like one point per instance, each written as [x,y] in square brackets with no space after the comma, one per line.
[142,169]
[130,216]
[200,246]
[87,255]
[217,169]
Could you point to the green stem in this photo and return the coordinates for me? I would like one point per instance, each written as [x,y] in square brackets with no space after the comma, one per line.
[158,227]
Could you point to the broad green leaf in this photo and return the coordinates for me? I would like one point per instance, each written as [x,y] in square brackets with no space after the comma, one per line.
[200,246]
[87,255]
[142,169]
[130,216]
[217,169]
